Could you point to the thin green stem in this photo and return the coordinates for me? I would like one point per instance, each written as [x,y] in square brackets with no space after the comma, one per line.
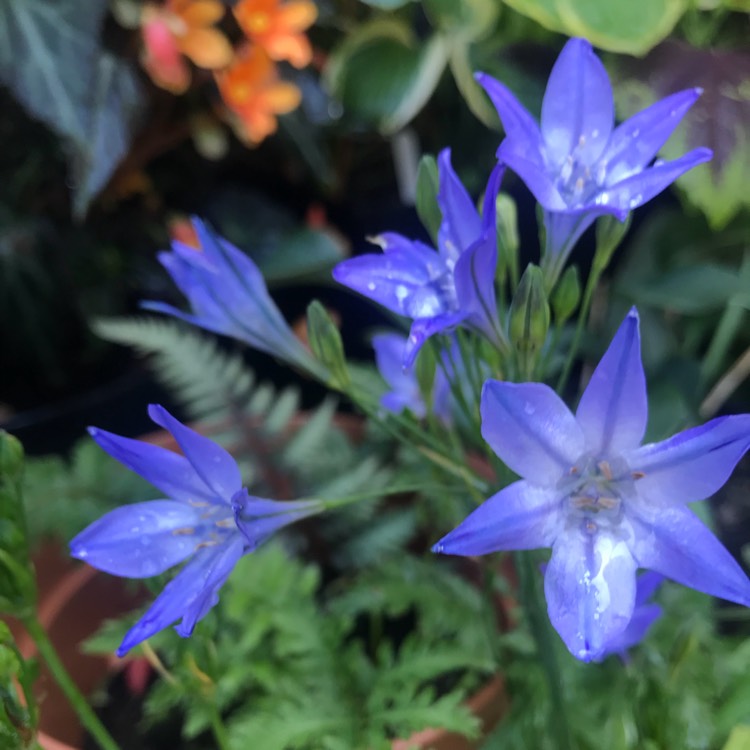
[79,702]
[217,727]
[545,639]
[731,321]
[583,315]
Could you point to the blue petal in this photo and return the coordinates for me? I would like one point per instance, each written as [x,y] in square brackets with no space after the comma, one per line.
[211,462]
[613,410]
[646,586]
[168,471]
[590,589]
[636,141]
[389,357]
[640,188]
[563,230]
[392,279]
[214,576]
[520,127]
[535,176]
[258,518]
[140,540]
[188,593]
[531,430]
[693,464]
[423,328]
[521,516]
[461,225]
[640,623]
[674,542]
[578,109]
[474,273]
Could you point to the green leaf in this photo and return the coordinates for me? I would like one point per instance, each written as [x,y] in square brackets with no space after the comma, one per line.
[386,4]
[466,20]
[51,59]
[692,290]
[717,120]
[739,739]
[632,27]
[301,254]
[428,182]
[382,73]
[48,56]
[115,109]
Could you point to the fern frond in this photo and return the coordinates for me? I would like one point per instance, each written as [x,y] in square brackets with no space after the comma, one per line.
[207,380]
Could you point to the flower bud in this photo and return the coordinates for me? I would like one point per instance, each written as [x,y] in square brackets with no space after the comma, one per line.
[529,312]
[566,295]
[506,220]
[609,234]
[325,341]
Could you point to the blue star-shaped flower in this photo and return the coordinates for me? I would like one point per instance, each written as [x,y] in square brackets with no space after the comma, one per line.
[228,295]
[438,290]
[210,518]
[577,164]
[606,504]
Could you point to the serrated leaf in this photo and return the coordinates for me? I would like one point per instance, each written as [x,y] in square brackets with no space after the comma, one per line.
[717,120]
[115,109]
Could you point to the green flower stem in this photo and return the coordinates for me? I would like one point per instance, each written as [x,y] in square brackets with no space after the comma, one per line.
[545,639]
[583,314]
[217,727]
[85,713]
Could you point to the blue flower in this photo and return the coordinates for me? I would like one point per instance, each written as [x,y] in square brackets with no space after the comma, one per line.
[209,518]
[405,392]
[577,164]
[444,289]
[228,296]
[606,504]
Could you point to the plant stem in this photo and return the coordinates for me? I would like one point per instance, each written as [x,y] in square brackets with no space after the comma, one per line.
[583,315]
[85,713]
[217,727]
[544,637]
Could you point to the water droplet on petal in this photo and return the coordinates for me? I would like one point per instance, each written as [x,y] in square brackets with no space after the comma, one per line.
[529,409]
[636,200]
[635,132]
[371,286]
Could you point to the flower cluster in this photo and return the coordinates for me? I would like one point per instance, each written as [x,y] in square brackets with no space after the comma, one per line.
[605,503]
[246,75]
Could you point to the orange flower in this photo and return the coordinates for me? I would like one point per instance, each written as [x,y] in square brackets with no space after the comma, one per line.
[177,28]
[254,94]
[278,28]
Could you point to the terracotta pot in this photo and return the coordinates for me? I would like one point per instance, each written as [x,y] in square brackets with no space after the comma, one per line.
[75,599]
